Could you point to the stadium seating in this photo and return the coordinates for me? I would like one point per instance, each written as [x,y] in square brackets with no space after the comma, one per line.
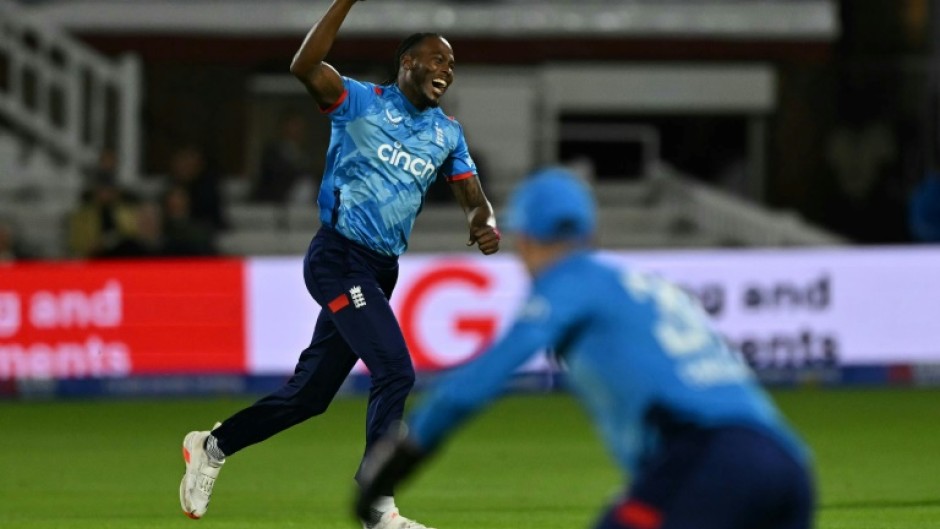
[664,212]
[660,210]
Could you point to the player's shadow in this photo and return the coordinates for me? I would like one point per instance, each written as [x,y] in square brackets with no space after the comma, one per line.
[881,504]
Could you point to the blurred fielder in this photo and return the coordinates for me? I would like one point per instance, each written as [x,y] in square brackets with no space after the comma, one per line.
[703,444]
[388,144]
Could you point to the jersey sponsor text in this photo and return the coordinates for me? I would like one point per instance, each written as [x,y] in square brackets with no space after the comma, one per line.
[396,156]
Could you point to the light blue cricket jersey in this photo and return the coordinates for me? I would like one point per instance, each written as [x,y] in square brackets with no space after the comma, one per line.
[384,154]
[637,348]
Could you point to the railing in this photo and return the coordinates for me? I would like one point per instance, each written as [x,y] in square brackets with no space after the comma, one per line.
[66,96]
[740,222]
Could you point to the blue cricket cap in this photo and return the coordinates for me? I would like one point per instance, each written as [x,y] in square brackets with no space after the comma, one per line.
[552,205]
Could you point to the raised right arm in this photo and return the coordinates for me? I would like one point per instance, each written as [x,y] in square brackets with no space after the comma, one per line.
[321,80]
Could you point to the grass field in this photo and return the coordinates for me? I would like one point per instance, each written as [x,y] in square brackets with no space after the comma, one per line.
[530,462]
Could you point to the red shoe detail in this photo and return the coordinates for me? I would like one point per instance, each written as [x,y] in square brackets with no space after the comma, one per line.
[186,454]
[191,515]
[637,515]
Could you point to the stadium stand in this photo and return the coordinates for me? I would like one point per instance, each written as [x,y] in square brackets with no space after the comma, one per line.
[667,211]
[47,144]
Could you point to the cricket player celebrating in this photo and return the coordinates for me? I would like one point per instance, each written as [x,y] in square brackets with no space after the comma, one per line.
[388,144]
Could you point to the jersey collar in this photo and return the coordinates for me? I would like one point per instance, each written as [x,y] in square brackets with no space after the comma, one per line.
[413,110]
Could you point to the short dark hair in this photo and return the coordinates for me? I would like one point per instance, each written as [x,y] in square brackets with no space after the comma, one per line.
[404,47]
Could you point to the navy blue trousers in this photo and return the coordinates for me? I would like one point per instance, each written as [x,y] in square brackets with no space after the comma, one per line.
[352,284]
[725,478]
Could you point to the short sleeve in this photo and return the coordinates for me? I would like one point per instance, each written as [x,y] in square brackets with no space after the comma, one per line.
[459,165]
[354,100]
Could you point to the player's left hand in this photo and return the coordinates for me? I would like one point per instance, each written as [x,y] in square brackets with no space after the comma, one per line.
[393,459]
[486,237]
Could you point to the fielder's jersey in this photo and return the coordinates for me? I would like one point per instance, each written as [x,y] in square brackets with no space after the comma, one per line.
[384,154]
[641,356]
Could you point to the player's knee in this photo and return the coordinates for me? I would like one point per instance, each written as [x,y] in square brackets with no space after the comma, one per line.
[410,378]
[400,378]
[405,377]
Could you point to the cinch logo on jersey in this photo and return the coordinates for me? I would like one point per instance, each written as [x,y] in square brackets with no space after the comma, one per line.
[398,157]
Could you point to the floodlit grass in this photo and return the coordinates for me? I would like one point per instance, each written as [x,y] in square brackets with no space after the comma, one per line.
[530,462]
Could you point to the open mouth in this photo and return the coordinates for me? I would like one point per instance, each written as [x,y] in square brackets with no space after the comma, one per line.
[438,87]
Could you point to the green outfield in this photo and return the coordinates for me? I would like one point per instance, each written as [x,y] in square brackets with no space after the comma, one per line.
[530,462]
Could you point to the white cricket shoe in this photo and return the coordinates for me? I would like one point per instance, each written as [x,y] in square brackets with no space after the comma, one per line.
[201,472]
[392,520]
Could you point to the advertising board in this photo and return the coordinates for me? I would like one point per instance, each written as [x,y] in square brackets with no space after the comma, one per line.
[781,309]
[112,319]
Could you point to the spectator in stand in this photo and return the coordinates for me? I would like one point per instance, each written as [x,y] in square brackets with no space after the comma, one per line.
[284,162]
[183,234]
[147,238]
[11,248]
[190,170]
[105,219]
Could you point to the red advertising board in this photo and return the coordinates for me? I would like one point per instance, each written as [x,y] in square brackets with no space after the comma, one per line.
[115,318]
